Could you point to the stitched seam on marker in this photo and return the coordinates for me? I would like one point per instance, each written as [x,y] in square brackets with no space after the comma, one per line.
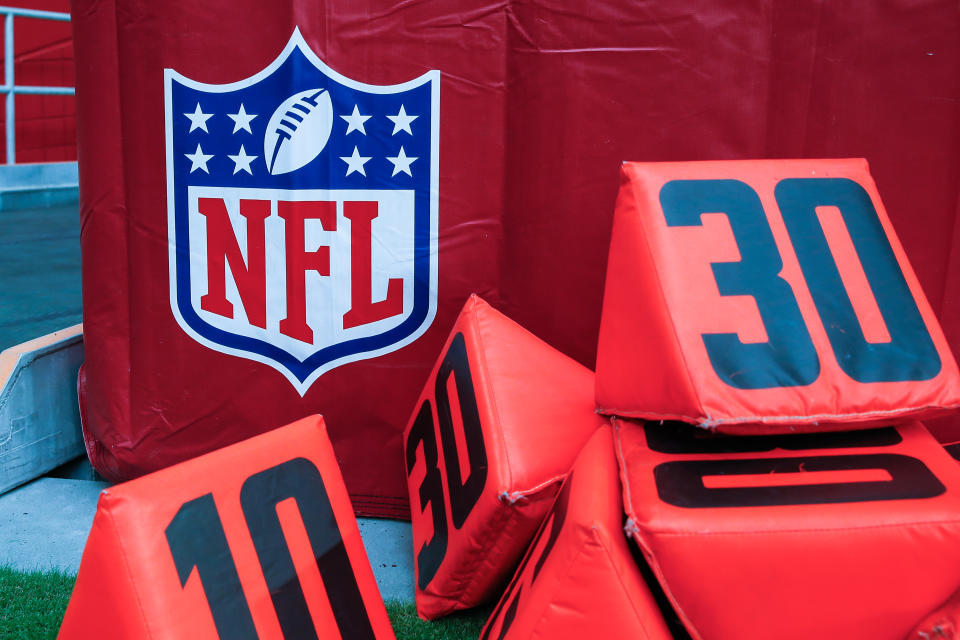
[636,533]
[514,496]
[673,325]
[126,566]
[623,586]
[613,413]
[685,620]
[622,464]
[803,419]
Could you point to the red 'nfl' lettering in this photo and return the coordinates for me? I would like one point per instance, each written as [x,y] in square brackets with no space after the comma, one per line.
[303,224]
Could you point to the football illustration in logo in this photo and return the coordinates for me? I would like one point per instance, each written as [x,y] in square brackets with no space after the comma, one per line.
[298,130]
[302,213]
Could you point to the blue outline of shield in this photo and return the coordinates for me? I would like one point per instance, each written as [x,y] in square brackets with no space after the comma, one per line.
[295,69]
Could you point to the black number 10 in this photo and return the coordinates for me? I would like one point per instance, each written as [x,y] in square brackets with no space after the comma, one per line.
[197,539]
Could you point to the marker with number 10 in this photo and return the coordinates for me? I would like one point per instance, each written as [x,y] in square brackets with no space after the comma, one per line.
[763,297]
[254,541]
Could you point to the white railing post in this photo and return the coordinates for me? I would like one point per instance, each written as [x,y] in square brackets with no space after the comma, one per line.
[9,87]
[10,116]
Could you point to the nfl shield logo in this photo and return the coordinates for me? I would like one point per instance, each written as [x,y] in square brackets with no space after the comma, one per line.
[302,213]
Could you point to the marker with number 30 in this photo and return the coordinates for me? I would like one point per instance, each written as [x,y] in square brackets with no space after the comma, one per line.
[762,297]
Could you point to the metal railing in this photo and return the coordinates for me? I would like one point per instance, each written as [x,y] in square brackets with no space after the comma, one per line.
[9,87]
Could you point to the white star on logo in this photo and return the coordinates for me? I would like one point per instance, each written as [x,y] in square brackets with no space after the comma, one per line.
[242,161]
[241,120]
[401,121]
[355,162]
[355,120]
[401,163]
[199,160]
[198,119]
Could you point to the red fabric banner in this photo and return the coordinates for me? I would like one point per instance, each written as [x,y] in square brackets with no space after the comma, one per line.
[534,108]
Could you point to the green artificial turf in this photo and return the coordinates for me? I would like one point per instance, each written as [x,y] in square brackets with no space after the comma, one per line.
[459,626]
[32,606]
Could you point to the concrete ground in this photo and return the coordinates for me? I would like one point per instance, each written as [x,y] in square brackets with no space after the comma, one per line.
[44,525]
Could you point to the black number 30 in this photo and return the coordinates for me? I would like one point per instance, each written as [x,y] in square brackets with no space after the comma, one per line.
[789,358]
[463,493]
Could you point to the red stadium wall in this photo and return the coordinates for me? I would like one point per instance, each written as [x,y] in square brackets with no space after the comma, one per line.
[541,105]
[45,125]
